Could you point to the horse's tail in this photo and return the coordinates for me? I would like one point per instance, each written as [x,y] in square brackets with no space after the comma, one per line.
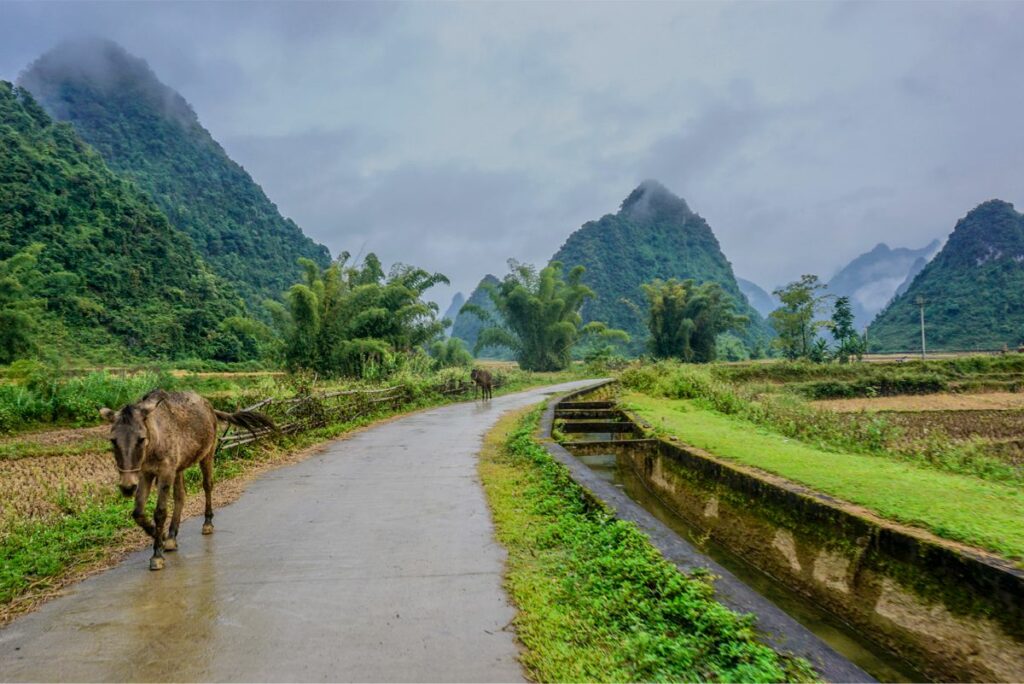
[253,421]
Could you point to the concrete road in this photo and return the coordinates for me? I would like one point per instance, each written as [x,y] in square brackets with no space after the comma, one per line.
[372,561]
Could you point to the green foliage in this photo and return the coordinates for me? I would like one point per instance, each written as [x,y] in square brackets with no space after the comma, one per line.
[17,309]
[597,601]
[973,289]
[685,319]
[880,379]
[113,273]
[354,320]
[45,395]
[795,321]
[654,235]
[539,316]
[149,133]
[731,348]
[848,342]
[450,353]
[239,338]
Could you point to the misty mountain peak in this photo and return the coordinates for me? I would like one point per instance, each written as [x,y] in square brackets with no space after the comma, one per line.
[101,66]
[651,198]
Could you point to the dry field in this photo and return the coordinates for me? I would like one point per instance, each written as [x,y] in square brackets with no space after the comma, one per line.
[993,420]
[34,487]
[987,401]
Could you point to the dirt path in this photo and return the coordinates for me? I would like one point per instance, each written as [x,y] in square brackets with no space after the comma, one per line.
[371,561]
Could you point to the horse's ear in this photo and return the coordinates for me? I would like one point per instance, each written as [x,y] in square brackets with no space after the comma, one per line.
[153,400]
[107,414]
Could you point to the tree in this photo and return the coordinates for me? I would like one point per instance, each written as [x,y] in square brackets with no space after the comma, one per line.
[349,320]
[17,308]
[848,342]
[794,321]
[685,319]
[450,353]
[539,316]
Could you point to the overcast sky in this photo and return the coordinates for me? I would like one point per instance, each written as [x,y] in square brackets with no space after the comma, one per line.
[453,136]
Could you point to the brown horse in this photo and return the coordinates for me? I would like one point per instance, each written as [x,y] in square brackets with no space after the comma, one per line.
[155,440]
[484,382]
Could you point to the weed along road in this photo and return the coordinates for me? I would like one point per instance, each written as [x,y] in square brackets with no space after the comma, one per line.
[373,560]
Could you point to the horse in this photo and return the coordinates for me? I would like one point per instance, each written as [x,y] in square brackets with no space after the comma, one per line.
[154,441]
[484,382]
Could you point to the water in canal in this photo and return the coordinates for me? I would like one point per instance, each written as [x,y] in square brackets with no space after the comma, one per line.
[846,640]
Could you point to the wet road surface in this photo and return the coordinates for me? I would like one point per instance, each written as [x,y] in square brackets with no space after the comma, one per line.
[374,560]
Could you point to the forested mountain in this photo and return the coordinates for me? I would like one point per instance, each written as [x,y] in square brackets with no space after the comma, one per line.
[453,310]
[973,289]
[148,132]
[113,274]
[759,298]
[654,235]
[874,278]
[916,268]
[467,326]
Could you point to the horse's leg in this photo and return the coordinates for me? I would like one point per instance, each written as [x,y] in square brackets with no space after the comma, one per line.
[163,490]
[207,467]
[141,495]
[171,542]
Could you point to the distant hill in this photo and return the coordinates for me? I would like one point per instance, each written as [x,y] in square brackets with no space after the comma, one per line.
[763,302]
[467,326]
[873,278]
[453,310]
[653,235]
[148,132]
[117,278]
[973,289]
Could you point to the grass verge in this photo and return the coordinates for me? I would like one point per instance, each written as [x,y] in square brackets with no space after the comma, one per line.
[40,556]
[989,515]
[787,414]
[597,602]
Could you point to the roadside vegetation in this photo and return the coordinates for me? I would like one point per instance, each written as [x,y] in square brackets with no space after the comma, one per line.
[597,602]
[535,315]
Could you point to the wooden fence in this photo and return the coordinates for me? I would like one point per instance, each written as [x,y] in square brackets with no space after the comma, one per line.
[315,410]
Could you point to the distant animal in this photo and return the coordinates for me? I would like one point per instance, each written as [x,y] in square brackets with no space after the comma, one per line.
[484,382]
[154,441]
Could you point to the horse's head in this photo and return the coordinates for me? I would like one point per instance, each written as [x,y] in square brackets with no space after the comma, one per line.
[129,436]
[474,374]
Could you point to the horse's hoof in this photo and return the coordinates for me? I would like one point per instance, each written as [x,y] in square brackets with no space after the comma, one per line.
[208,528]
[170,544]
[156,563]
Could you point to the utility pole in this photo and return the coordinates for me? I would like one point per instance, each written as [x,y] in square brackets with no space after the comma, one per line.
[920,303]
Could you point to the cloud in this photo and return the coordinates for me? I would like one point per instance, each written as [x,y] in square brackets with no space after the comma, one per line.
[456,135]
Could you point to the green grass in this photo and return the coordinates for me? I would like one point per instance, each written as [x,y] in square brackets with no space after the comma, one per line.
[789,415]
[16,449]
[597,602]
[31,553]
[986,514]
